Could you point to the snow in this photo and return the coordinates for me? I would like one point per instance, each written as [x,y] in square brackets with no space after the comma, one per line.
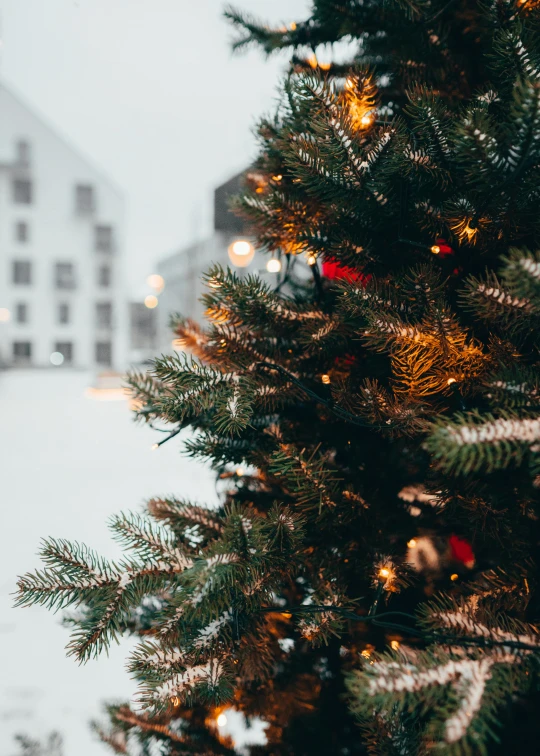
[68,463]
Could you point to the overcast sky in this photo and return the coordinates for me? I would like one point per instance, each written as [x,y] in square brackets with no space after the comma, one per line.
[149,90]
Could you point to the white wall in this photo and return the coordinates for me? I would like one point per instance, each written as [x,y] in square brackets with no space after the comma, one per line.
[57,234]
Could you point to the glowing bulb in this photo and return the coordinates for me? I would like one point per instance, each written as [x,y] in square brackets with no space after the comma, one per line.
[435,249]
[5,315]
[240,471]
[175,701]
[394,644]
[259,190]
[273,265]
[156,282]
[450,381]
[154,447]
[293,26]
[57,358]
[454,576]
[311,259]
[366,120]
[325,378]
[366,653]
[384,572]
[151,301]
[312,60]
[325,66]
[221,721]
[241,253]
[277,178]
[412,543]
[350,82]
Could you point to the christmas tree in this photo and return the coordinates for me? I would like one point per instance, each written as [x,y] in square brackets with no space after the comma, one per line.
[369,581]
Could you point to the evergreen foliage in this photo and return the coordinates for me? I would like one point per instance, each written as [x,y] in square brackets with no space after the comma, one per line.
[368,583]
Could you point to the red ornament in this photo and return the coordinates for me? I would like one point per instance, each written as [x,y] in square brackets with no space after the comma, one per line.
[444,248]
[461,551]
[332,270]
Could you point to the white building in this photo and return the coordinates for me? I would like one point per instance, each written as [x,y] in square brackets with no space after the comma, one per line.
[61,239]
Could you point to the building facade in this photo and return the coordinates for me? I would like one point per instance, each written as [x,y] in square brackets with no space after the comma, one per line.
[182,272]
[62,299]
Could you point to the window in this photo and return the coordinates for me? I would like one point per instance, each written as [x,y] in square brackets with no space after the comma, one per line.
[63,313]
[84,198]
[22,351]
[22,272]
[103,238]
[23,152]
[21,312]
[22,191]
[104,314]
[66,350]
[104,276]
[104,353]
[21,231]
[64,276]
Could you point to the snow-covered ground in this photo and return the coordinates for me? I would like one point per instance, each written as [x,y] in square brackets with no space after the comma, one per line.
[67,463]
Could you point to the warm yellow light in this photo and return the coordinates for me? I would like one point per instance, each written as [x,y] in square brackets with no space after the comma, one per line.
[151,301]
[293,26]
[350,82]
[175,701]
[312,60]
[221,721]
[239,471]
[311,259]
[366,653]
[5,315]
[412,543]
[277,178]
[325,378]
[273,265]
[366,120]
[384,572]
[454,576]
[469,232]
[259,190]
[241,253]
[394,644]
[435,249]
[154,447]
[325,66]
[156,282]
[450,381]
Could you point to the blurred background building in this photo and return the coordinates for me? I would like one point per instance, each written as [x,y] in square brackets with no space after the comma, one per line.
[181,273]
[62,295]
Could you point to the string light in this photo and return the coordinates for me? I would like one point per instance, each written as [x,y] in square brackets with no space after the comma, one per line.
[273,265]
[151,301]
[154,447]
[350,83]
[325,66]
[221,720]
[412,543]
[450,381]
[394,645]
[240,471]
[156,282]
[311,259]
[293,26]
[241,252]
[259,190]
[325,378]
[312,61]
[384,572]
[366,120]
[175,701]
[277,178]
[366,653]
[435,249]
[454,576]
